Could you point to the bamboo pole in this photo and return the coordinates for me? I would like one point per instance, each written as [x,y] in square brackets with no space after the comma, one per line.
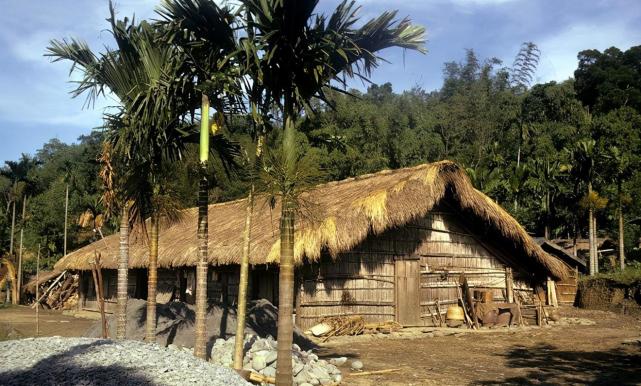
[19,275]
[64,249]
[242,285]
[37,292]
[375,372]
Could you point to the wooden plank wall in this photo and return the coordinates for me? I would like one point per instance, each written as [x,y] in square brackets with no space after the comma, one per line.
[448,249]
[566,289]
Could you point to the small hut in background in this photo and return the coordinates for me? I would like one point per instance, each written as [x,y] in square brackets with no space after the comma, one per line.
[387,246]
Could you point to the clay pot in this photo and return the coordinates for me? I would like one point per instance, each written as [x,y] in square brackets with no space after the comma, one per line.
[454,316]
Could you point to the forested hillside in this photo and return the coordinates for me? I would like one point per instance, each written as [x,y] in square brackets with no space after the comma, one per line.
[536,149]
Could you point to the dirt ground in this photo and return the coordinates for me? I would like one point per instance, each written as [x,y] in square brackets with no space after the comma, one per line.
[23,320]
[576,354]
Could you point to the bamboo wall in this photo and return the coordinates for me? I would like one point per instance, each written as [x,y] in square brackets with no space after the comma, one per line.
[363,281]
[360,282]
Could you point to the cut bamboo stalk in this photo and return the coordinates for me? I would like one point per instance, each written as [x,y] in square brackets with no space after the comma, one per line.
[375,372]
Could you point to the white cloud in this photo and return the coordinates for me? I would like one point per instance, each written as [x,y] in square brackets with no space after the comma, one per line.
[559,52]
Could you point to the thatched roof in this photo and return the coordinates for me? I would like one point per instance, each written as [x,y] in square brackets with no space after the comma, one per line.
[334,217]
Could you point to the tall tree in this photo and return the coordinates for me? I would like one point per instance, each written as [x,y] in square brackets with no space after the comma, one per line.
[608,80]
[204,31]
[302,51]
[585,157]
[521,76]
[147,129]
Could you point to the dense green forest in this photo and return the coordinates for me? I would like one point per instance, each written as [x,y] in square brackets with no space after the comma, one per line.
[535,149]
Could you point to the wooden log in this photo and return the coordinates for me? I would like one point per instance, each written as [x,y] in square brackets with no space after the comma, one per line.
[509,285]
[254,377]
[468,321]
[97,278]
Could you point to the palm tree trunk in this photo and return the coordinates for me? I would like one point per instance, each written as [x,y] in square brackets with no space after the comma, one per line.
[66,216]
[123,271]
[19,275]
[200,344]
[621,233]
[591,240]
[286,276]
[243,284]
[547,216]
[152,281]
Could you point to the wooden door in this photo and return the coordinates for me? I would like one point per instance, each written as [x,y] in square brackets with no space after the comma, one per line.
[408,310]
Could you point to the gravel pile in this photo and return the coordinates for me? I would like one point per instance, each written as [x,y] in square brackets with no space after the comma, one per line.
[85,361]
[260,356]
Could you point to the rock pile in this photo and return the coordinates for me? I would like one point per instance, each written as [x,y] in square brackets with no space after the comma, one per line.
[260,356]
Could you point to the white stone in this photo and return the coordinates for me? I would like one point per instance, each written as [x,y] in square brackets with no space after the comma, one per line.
[258,363]
[320,329]
[357,365]
[338,361]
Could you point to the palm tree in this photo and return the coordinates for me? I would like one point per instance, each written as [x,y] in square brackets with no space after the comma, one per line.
[620,170]
[147,127]
[584,159]
[298,52]
[204,31]
[545,180]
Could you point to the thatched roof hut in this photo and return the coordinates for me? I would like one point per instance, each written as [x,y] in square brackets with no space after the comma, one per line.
[334,217]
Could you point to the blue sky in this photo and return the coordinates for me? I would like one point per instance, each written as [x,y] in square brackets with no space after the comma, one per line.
[35,104]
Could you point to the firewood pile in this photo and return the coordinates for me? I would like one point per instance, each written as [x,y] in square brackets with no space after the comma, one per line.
[57,290]
[351,325]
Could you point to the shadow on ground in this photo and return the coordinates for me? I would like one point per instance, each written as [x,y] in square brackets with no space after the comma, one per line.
[547,365]
[62,369]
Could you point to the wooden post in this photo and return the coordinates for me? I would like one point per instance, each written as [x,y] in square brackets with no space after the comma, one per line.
[509,285]
[97,280]
[551,292]
[37,292]
[469,298]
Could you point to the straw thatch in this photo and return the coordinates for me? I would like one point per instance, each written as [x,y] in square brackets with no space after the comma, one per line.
[333,217]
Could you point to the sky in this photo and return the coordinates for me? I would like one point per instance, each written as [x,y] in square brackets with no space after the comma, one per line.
[35,104]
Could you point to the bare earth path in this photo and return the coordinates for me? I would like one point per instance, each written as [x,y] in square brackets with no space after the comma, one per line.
[542,356]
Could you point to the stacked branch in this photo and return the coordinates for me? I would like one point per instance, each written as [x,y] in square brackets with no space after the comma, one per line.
[57,291]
